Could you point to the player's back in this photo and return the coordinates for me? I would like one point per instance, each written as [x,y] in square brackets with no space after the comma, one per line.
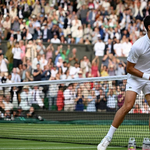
[140,54]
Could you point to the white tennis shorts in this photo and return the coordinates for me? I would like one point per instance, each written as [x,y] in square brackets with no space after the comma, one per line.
[137,85]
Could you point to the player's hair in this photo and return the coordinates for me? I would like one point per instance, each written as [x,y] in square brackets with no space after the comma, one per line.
[147,22]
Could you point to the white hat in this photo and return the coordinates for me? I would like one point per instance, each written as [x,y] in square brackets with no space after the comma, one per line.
[26,87]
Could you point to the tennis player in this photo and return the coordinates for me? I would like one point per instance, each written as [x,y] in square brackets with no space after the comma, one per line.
[138,68]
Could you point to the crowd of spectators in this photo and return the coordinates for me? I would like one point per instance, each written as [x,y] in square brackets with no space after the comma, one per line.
[111,26]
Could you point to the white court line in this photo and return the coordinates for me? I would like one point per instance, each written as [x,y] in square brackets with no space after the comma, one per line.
[55,148]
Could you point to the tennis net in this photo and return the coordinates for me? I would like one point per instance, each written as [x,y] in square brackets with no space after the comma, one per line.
[71,111]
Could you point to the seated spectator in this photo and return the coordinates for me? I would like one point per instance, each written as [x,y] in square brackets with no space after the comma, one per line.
[79,34]
[87,33]
[121,98]
[145,109]
[69,97]
[111,101]
[25,98]
[8,106]
[53,90]
[36,61]
[37,73]
[126,47]
[60,62]
[43,61]
[101,101]
[15,96]
[118,48]
[137,109]
[2,106]
[40,48]
[91,99]
[46,73]
[31,113]
[55,39]
[15,76]
[60,99]
[36,98]
[74,71]
[79,101]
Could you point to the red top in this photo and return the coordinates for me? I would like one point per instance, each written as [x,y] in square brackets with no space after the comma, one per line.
[60,99]
[94,70]
[135,111]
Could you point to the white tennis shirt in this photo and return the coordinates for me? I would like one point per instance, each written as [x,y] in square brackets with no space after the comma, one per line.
[140,54]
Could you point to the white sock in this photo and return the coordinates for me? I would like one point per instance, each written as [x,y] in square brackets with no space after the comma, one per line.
[111,131]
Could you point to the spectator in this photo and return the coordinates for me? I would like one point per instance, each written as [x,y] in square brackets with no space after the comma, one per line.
[2,106]
[36,61]
[91,102]
[25,98]
[99,47]
[137,109]
[10,45]
[15,77]
[40,48]
[118,49]
[31,113]
[16,55]
[23,49]
[55,39]
[85,66]
[49,53]
[37,73]
[73,57]
[53,90]
[87,32]
[64,54]
[101,101]
[60,99]
[8,106]
[104,71]
[15,96]
[31,51]
[46,73]
[95,66]
[36,98]
[111,101]
[145,108]
[79,101]
[3,64]
[69,97]
[121,98]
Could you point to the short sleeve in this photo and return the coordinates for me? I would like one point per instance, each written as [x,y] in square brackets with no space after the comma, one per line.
[134,55]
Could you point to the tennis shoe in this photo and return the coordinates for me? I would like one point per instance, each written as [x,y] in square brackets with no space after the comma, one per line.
[104,143]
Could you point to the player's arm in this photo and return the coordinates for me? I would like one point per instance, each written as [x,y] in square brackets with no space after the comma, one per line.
[132,70]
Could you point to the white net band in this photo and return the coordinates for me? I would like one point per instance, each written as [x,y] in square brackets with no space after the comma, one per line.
[79,80]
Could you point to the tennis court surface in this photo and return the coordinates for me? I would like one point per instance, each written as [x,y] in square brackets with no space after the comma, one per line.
[14,144]
[64,136]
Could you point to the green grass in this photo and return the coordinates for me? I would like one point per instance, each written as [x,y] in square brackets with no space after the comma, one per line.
[84,135]
[11,144]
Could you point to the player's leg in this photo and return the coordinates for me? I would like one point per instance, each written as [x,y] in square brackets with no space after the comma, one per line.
[148,101]
[130,97]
